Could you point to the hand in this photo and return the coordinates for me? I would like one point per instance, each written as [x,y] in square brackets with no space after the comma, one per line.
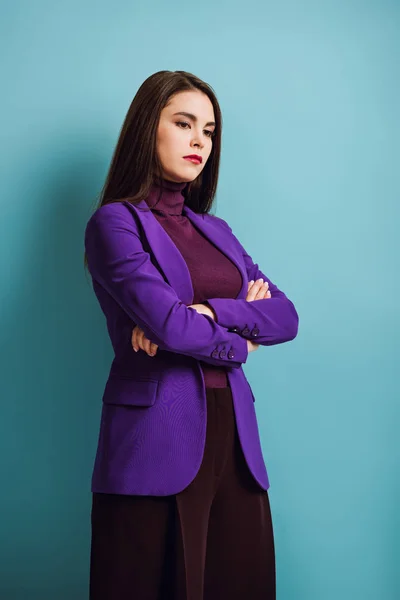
[140,341]
[257,290]
[251,346]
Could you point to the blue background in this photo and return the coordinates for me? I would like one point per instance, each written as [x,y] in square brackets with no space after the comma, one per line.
[309,184]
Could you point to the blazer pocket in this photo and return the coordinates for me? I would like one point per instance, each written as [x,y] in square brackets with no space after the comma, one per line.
[130,392]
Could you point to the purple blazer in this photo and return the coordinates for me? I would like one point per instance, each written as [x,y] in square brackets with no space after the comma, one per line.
[153,421]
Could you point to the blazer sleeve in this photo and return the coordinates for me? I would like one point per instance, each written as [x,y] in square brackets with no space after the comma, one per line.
[118,262]
[268,321]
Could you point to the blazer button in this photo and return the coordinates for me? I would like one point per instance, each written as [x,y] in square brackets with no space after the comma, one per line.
[215,354]
[222,354]
[255,332]
[230,354]
[245,331]
[235,329]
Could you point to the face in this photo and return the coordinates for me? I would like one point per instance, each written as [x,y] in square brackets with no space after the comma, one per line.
[180,135]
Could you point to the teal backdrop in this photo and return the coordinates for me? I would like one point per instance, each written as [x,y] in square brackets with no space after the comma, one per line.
[310,185]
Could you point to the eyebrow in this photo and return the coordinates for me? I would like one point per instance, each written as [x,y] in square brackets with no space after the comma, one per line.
[193,117]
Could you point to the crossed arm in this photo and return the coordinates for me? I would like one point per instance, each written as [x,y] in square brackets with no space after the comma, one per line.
[257,290]
[272,319]
[118,262]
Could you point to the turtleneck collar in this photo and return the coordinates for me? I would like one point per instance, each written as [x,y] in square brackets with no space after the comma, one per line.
[166,196]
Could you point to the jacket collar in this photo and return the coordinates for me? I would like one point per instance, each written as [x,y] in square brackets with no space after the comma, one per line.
[169,258]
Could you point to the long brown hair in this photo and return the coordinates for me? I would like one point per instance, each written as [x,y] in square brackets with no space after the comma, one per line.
[135,164]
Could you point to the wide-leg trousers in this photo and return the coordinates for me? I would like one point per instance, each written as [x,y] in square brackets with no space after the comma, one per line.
[211,541]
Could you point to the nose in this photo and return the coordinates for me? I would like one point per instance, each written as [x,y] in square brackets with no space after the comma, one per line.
[197,144]
[197,140]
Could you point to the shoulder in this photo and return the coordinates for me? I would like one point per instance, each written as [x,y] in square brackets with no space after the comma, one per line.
[111,209]
[109,215]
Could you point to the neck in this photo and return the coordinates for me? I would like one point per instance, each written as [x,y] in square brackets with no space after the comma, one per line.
[166,196]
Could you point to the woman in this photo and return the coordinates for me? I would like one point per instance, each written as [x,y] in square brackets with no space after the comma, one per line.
[180,503]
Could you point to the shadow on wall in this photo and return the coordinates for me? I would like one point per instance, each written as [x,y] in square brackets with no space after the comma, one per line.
[57,353]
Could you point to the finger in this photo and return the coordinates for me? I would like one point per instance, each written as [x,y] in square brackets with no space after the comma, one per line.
[252,294]
[140,338]
[149,347]
[262,291]
[146,345]
[134,339]
[152,348]
[143,343]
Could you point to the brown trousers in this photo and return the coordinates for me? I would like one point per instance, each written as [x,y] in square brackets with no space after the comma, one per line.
[211,541]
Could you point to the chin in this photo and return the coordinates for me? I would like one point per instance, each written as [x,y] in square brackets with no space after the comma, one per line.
[182,176]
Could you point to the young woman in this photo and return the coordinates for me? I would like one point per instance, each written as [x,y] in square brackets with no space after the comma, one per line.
[180,503]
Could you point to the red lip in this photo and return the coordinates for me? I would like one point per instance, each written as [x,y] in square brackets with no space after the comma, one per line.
[194,157]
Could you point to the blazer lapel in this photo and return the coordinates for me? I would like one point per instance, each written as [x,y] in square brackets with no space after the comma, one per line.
[171,261]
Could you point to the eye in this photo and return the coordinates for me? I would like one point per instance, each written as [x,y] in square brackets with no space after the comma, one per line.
[182,123]
[209,133]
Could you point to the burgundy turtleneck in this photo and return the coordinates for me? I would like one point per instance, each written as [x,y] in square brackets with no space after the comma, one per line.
[213,274]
